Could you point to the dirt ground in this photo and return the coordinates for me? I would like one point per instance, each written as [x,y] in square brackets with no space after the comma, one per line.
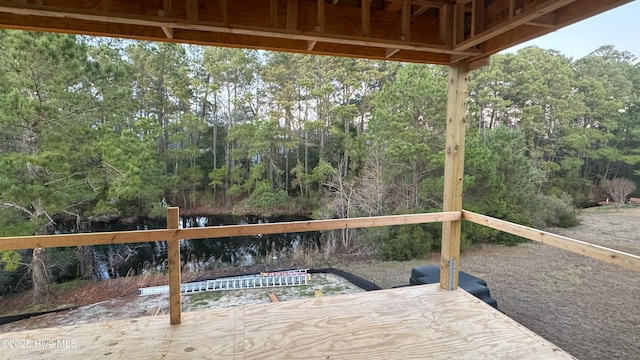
[588,308]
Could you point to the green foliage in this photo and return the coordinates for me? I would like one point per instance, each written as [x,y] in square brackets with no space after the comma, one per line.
[408,242]
[558,211]
[264,197]
[117,128]
[9,260]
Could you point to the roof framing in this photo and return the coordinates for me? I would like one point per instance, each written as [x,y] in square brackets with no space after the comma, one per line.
[425,31]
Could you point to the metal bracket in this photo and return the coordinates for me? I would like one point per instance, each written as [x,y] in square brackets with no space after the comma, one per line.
[452,273]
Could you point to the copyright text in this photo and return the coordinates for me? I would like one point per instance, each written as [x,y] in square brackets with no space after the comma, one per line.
[38,344]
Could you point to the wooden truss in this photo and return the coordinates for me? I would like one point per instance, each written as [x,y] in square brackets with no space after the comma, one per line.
[424,31]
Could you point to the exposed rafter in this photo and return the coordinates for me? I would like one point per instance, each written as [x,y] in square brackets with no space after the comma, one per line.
[426,31]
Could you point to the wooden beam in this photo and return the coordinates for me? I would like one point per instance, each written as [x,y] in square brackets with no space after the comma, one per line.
[167,31]
[192,10]
[477,64]
[390,52]
[458,24]
[123,237]
[453,174]
[224,10]
[166,11]
[311,45]
[565,16]
[393,6]
[474,13]
[422,9]
[405,33]
[250,25]
[263,30]
[446,25]
[292,15]
[365,6]
[173,254]
[321,16]
[396,5]
[598,252]
[325,48]
[236,29]
[167,8]
[477,17]
[524,17]
[274,13]
[548,20]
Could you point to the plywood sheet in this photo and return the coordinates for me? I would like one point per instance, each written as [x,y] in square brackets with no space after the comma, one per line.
[407,323]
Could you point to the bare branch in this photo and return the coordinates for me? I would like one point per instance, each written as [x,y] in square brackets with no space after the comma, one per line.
[21,208]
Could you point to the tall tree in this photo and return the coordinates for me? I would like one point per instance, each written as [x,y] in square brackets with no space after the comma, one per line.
[47,110]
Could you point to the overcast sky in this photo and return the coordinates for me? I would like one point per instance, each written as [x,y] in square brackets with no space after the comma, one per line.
[619,27]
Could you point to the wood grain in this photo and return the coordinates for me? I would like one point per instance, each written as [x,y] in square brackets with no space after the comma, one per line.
[390,26]
[453,174]
[122,237]
[173,255]
[419,322]
[601,253]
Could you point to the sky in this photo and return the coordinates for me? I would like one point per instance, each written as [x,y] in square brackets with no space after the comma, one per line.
[619,27]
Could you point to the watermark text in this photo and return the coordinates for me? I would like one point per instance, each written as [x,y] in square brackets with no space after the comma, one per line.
[38,343]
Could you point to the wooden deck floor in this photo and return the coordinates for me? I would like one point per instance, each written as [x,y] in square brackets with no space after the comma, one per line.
[419,322]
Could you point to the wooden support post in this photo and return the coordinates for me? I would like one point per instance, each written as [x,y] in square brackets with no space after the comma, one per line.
[453,174]
[173,219]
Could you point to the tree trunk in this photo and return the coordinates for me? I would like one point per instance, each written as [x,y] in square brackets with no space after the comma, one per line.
[39,275]
[86,262]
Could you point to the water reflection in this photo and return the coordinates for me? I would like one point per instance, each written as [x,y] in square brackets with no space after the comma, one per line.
[138,258]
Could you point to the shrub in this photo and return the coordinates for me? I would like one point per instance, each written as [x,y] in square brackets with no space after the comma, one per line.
[266,197]
[409,242]
[560,211]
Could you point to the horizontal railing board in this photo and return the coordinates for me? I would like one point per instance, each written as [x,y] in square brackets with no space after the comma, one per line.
[122,237]
[598,252]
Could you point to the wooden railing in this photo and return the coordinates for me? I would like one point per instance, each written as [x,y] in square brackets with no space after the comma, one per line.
[173,235]
[123,237]
[576,246]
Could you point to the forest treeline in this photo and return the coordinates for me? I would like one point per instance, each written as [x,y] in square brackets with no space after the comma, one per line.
[95,128]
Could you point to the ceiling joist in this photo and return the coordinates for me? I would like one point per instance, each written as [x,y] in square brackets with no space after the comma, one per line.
[426,31]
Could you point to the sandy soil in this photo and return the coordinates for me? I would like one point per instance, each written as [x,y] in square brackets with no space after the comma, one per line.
[589,308]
